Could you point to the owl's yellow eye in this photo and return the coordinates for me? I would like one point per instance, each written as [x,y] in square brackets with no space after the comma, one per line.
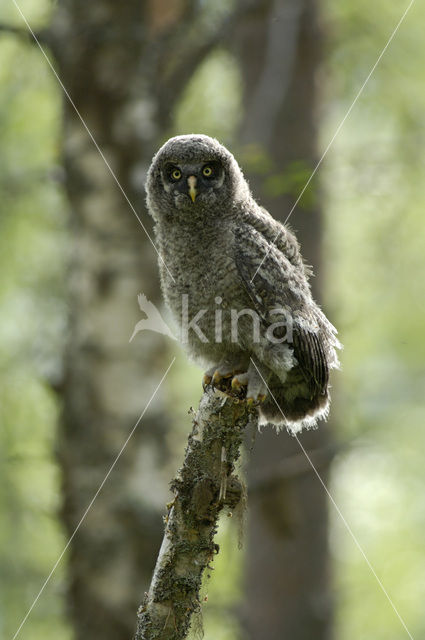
[207,171]
[176,174]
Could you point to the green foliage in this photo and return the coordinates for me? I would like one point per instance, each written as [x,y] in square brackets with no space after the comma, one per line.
[255,159]
[212,102]
[291,182]
[32,316]
[376,248]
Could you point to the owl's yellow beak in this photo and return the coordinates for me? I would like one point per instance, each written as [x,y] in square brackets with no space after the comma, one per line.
[191,181]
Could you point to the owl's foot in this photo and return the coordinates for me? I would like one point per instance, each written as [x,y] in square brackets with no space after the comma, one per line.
[237,381]
[221,376]
[256,390]
[207,378]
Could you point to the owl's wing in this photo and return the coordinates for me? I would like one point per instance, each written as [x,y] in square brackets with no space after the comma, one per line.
[310,354]
[279,283]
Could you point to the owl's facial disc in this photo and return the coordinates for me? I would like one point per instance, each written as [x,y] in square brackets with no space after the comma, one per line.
[192,183]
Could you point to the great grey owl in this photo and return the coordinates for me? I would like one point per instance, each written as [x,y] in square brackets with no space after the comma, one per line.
[237,285]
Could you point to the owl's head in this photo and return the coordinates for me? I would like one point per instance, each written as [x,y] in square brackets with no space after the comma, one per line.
[193,174]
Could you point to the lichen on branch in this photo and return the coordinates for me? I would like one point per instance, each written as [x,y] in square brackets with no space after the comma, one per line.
[204,485]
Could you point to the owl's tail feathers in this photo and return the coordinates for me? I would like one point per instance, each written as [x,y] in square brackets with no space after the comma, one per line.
[294,406]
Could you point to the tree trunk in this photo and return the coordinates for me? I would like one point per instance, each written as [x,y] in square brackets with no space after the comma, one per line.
[287,587]
[124,65]
[107,380]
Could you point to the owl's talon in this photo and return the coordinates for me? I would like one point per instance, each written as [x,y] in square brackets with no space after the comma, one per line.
[252,402]
[206,381]
[239,381]
[219,376]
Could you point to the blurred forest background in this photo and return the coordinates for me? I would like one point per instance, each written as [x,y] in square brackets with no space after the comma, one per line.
[73,258]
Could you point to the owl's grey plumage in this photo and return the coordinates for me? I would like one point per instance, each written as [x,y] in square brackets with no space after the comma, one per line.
[237,275]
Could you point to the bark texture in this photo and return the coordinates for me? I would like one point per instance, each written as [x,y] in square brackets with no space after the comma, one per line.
[205,484]
[124,66]
[107,381]
[287,592]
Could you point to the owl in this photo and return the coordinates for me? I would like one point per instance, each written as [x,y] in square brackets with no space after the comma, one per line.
[237,286]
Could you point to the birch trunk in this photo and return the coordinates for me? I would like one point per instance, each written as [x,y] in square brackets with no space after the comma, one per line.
[124,65]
